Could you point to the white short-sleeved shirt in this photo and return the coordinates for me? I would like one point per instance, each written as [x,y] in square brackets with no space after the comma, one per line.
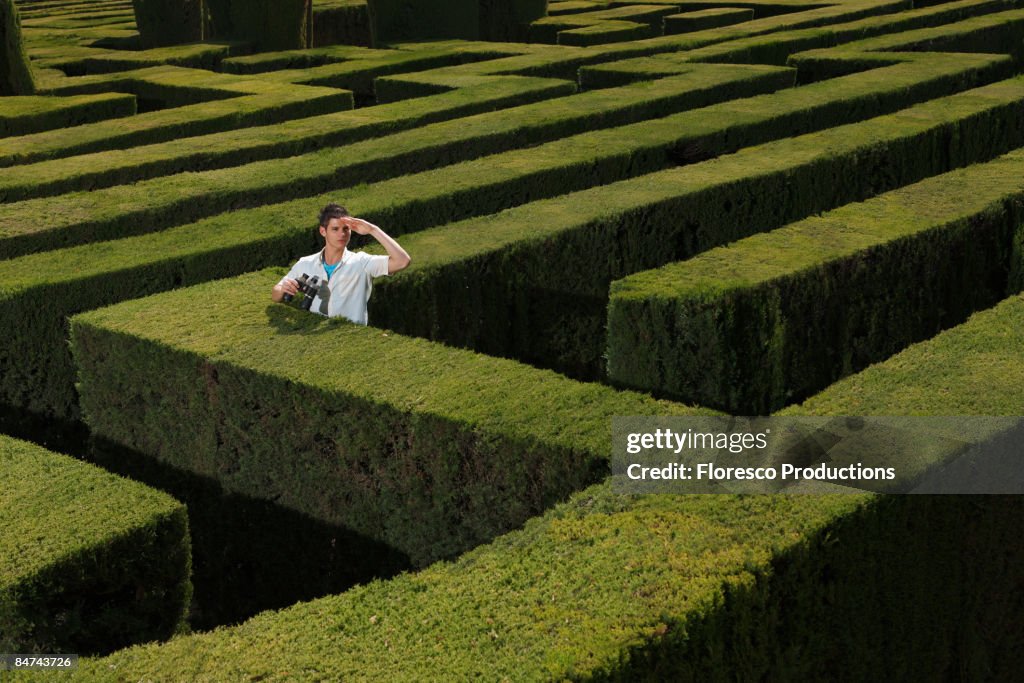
[347,291]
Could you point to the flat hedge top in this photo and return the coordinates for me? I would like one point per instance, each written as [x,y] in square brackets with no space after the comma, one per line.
[807,244]
[233,321]
[40,105]
[976,368]
[53,506]
[566,597]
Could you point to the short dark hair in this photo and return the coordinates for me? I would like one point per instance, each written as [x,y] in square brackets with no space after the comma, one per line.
[330,211]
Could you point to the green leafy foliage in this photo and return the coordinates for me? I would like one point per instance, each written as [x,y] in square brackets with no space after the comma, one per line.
[751,326]
[15,71]
[428,449]
[687,588]
[89,562]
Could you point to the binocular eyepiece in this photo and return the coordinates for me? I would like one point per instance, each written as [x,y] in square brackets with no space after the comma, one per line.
[309,288]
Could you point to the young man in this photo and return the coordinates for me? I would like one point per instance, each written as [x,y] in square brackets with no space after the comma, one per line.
[345,276]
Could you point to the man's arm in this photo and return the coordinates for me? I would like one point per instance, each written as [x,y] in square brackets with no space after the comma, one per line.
[398,259]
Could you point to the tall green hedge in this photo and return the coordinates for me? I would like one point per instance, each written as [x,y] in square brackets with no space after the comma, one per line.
[509,20]
[116,211]
[976,368]
[757,324]
[200,103]
[267,25]
[15,71]
[290,138]
[395,21]
[687,588]
[344,22]
[532,282]
[271,24]
[713,17]
[609,587]
[424,448]
[169,22]
[591,157]
[35,368]
[89,562]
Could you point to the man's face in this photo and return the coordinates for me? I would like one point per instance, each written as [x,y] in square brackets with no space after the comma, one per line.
[336,233]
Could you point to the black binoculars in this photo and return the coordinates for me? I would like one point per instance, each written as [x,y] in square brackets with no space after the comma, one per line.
[309,288]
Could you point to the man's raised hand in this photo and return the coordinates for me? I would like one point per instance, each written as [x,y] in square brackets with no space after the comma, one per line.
[358,225]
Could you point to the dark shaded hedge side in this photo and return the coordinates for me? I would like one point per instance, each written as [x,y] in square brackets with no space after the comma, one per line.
[394,21]
[341,23]
[656,588]
[170,22]
[542,297]
[90,562]
[740,329]
[250,554]
[15,71]
[266,25]
[508,20]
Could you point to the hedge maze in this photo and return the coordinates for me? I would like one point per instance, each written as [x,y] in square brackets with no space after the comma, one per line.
[613,208]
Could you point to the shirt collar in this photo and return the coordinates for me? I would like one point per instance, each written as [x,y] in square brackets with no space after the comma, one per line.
[345,255]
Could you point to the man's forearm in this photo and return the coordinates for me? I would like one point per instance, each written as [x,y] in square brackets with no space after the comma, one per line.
[398,258]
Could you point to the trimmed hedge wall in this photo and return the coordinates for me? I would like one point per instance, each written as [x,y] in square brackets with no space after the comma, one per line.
[265,24]
[701,20]
[306,66]
[289,138]
[647,18]
[539,59]
[976,368]
[33,114]
[427,449]
[509,20]
[15,71]
[147,206]
[341,22]
[991,33]
[609,587]
[270,24]
[250,554]
[493,183]
[757,41]
[754,325]
[722,200]
[605,32]
[532,282]
[471,135]
[93,64]
[89,562]
[169,22]
[395,21]
[682,588]
[236,103]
